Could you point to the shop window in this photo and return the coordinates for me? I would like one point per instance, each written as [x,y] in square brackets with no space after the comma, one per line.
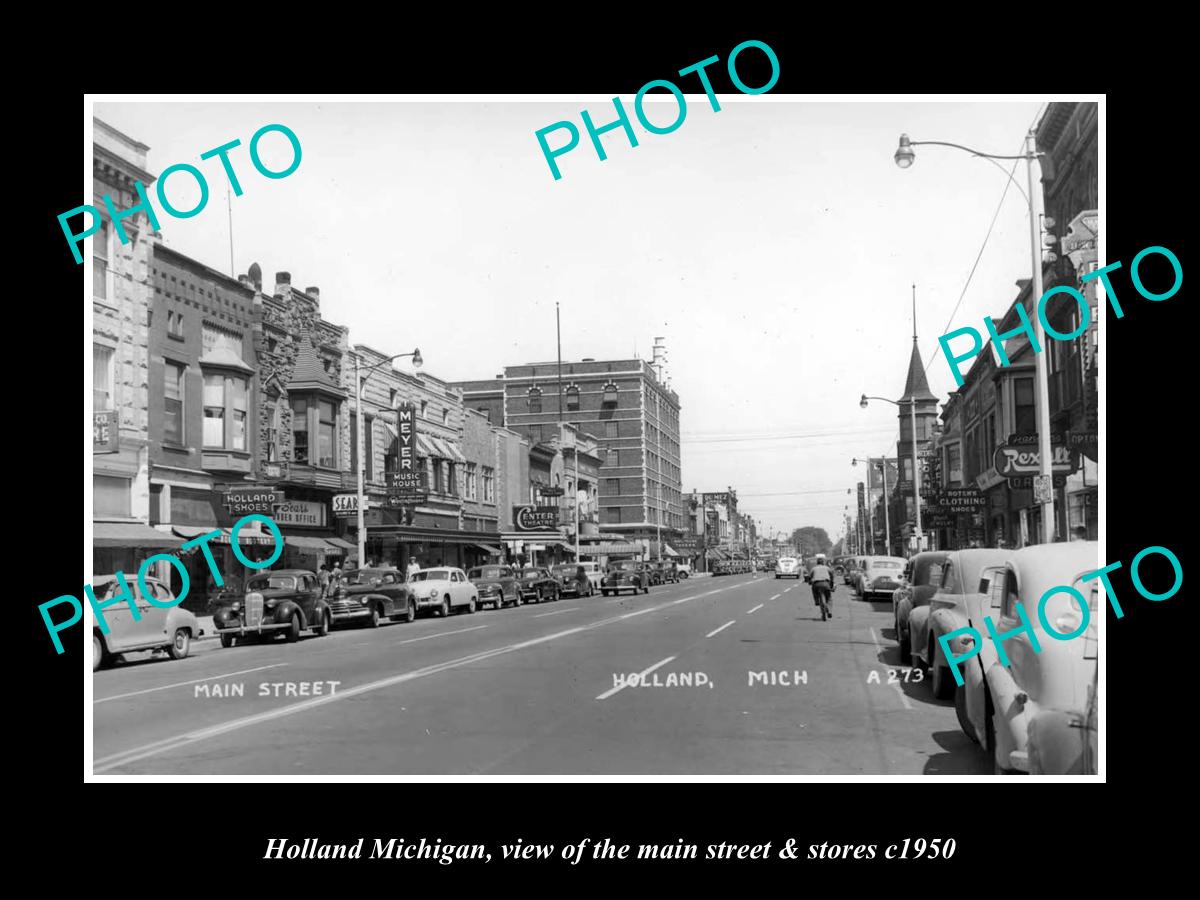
[102,377]
[173,401]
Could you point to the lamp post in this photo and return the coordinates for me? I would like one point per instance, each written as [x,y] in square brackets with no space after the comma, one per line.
[904,158]
[912,409]
[359,381]
[887,525]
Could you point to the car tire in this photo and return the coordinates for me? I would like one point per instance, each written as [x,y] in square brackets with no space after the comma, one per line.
[940,681]
[98,652]
[293,632]
[373,619]
[905,650]
[411,614]
[180,644]
[444,609]
[322,630]
[603,592]
[227,640]
[645,589]
[960,710]
[471,607]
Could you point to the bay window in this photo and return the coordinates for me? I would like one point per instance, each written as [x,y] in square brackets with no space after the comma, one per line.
[225,410]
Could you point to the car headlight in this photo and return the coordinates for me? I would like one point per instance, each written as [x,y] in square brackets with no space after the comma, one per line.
[433,592]
[270,604]
[237,604]
[362,600]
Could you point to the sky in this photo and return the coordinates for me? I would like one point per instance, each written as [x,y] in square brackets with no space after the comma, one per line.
[773,244]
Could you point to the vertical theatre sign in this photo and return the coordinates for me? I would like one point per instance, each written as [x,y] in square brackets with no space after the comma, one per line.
[405,486]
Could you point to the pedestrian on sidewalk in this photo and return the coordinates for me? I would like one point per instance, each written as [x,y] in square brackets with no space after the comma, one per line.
[323,580]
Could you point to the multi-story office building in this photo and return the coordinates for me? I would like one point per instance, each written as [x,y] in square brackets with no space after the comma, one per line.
[632,413]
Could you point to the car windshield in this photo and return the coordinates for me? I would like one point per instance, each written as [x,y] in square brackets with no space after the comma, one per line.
[273,583]
[431,576]
[486,572]
[365,576]
[530,574]
[565,570]
[621,566]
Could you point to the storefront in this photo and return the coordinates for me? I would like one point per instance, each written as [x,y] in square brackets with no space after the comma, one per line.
[123,546]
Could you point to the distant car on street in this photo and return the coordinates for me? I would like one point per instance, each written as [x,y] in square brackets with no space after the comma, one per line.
[368,596]
[170,629]
[574,580]
[443,590]
[497,585]
[285,600]
[625,575]
[883,576]
[538,584]
[788,567]
[667,572]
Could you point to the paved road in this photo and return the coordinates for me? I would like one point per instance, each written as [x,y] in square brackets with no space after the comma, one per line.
[547,689]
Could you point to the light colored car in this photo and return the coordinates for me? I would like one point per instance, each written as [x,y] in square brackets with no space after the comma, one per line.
[788,567]
[443,590]
[947,611]
[684,570]
[881,576]
[1036,715]
[595,573]
[157,628]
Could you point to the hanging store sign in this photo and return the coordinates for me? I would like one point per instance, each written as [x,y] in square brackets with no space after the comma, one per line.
[241,501]
[106,432]
[964,500]
[1013,461]
[345,505]
[300,512]
[535,518]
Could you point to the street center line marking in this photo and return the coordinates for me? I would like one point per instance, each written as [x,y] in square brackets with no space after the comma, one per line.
[183,683]
[559,613]
[722,628]
[624,684]
[777,596]
[441,634]
[760,606]
[134,754]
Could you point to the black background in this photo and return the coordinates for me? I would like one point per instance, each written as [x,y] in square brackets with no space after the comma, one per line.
[1005,829]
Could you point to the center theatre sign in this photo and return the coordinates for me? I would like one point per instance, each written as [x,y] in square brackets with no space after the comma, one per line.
[535,518]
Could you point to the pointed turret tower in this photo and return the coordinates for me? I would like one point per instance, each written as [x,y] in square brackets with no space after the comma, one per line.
[916,395]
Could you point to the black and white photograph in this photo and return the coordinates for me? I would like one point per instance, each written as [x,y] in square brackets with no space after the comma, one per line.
[699,433]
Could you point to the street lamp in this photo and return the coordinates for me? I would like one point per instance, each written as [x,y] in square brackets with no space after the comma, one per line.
[912,409]
[904,158]
[887,525]
[359,381]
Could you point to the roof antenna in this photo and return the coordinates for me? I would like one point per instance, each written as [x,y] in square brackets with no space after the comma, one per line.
[914,287]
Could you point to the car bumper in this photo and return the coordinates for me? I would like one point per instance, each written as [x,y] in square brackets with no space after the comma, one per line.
[348,614]
[491,597]
[237,627]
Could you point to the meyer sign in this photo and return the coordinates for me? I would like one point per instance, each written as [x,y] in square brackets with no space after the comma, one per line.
[535,518]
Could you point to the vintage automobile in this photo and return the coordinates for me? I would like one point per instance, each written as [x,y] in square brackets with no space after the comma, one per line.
[625,575]
[1036,715]
[157,628]
[684,570]
[922,576]
[443,590]
[787,567]
[947,611]
[287,600]
[668,572]
[497,585]
[850,573]
[595,573]
[573,579]
[882,576]
[368,596]
[538,584]
[653,574]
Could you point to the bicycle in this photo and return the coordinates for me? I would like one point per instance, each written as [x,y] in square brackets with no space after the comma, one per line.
[821,595]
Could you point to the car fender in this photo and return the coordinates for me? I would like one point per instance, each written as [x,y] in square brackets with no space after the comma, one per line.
[284,611]
[975,687]
[1056,739]
[944,621]
[903,611]
[1012,730]
[182,618]
[918,632]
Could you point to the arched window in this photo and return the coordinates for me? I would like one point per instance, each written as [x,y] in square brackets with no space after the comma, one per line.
[573,398]
[610,394]
[535,400]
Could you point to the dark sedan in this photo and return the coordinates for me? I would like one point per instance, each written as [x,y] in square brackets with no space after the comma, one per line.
[923,575]
[667,573]
[574,580]
[367,596]
[287,600]
[625,576]
[498,586]
[537,584]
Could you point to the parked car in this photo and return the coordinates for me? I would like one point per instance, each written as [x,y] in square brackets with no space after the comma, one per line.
[667,573]
[368,596]
[787,567]
[850,572]
[625,575]
[684,571]
[882,576]
[947,611]
[922,576]
[170,629]
[443,590]
[573,580]
[538,584]
[595,573]
[287,600]
[1036,715]
[497,585]
[653,573]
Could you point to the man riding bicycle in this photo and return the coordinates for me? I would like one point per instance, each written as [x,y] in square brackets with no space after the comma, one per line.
[822,586]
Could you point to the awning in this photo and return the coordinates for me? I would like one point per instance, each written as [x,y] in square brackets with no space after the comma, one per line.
[392,431]
[714,553]
[132,534]
[536,537]
[309,543]
[248,534]
[426,447]
[341,544]
[187,532]
[489,549]
[608,548]
[669,550]
[449,450]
